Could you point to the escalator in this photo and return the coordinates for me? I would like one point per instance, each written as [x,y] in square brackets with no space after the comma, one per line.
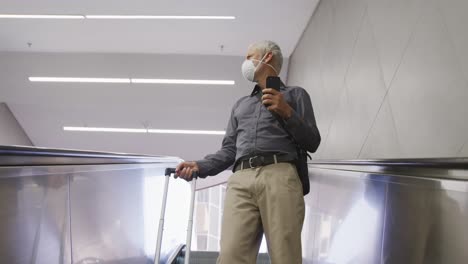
[81,207]
[411,211]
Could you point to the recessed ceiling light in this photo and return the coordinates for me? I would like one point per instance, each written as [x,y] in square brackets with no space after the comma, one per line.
[137,130]
[103,129]
[18,16]
[130,80]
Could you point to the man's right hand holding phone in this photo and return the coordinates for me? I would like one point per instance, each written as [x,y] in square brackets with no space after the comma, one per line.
[274,101]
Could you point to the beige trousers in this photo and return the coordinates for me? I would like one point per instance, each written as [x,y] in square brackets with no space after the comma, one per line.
[266,200]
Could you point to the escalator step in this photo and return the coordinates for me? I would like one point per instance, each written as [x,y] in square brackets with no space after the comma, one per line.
[209,257]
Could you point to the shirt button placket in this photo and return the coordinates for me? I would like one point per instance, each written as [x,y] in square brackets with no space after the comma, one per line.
[257,118]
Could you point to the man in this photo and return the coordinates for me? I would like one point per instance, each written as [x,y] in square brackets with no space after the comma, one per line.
[264,195]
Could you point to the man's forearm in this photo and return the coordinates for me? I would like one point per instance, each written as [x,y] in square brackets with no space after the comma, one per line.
[216,163]
[306,134]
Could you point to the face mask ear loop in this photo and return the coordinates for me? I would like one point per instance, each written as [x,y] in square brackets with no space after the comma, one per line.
[273,68]
[261,62]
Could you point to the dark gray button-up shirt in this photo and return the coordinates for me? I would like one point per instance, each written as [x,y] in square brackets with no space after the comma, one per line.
[252,130]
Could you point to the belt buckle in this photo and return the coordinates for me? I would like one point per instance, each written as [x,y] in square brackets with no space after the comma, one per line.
[251,159]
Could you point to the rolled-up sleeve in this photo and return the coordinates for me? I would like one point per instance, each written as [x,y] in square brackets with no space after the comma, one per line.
[301,124]
[215,163]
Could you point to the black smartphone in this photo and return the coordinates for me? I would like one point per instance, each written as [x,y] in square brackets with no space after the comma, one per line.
[273,82]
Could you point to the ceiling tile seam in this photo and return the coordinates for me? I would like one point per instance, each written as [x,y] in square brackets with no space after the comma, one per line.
[452,43]
[461,148]
[354,46]
[372,126]
[353,54]
[343,89]
[379,59]
[405,50]
[382,80]
[19,124]
[335,112]
[397,70]
[375,120]
[457,59]
[416,22]
[308,24]
[400,149]
[376,48]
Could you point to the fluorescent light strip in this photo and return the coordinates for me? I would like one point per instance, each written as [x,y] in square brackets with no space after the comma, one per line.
[102,129]
[141,17]
[179,81]
[192,132]
[42,16]
[79,80]
[128,80]
[160,17]
[136,130]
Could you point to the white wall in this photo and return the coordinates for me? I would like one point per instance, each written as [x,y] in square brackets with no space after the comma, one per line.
[11,132]
[388,78]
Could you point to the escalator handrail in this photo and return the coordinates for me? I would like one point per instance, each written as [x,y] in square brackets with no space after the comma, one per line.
[442,163]
[35,156]
[424,168]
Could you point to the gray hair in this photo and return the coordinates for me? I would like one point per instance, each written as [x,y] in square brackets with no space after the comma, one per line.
[266,46]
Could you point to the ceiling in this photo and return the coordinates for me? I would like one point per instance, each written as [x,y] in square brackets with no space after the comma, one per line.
[279,20]
[138,49]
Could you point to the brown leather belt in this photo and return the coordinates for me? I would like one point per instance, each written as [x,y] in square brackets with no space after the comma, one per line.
[262,160]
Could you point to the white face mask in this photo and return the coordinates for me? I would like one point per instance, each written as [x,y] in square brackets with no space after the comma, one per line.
[249,69]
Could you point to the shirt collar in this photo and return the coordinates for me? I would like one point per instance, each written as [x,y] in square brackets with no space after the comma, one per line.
[256,90]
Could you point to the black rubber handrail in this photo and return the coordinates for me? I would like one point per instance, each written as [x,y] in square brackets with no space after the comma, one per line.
[37,151]
[442,163]
[35,156]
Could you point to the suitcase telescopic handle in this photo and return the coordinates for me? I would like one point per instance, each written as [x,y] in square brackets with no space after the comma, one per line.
[170,171]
